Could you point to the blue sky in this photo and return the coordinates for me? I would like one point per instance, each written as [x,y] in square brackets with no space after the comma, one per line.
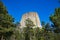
[44,8]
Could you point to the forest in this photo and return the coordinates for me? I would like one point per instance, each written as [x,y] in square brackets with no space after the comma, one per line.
[49,31]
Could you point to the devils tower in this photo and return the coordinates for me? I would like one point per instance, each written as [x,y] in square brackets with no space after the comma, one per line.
[33,16]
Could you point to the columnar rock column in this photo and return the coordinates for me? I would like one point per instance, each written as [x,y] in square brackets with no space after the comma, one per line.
[33,16]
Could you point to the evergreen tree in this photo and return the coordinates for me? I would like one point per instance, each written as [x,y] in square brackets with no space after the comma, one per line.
[48,27]
[6,23]
[55,18]
[38,33]
[28,31]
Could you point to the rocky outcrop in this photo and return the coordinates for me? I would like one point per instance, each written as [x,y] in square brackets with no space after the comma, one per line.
[33,16]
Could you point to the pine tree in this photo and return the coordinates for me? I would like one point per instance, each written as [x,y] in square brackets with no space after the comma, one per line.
[55,18]
[28,30]
[6,23]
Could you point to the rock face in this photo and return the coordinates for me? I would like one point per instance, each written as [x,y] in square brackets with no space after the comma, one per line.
[31,15]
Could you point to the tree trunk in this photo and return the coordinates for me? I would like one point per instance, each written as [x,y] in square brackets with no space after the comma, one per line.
[2,38]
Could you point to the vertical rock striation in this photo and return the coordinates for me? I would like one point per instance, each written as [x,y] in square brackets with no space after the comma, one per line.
[33,16]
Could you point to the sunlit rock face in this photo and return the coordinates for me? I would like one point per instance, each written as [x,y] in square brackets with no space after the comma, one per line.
[33,16]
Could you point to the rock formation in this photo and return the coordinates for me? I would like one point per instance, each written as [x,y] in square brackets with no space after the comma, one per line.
[33,16]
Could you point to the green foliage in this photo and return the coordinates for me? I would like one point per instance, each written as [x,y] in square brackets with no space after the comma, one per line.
[29,29]
[55,18]
[6,22]
[38,33]
[48,27]
[7,28]
[29,23]
[43,23]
